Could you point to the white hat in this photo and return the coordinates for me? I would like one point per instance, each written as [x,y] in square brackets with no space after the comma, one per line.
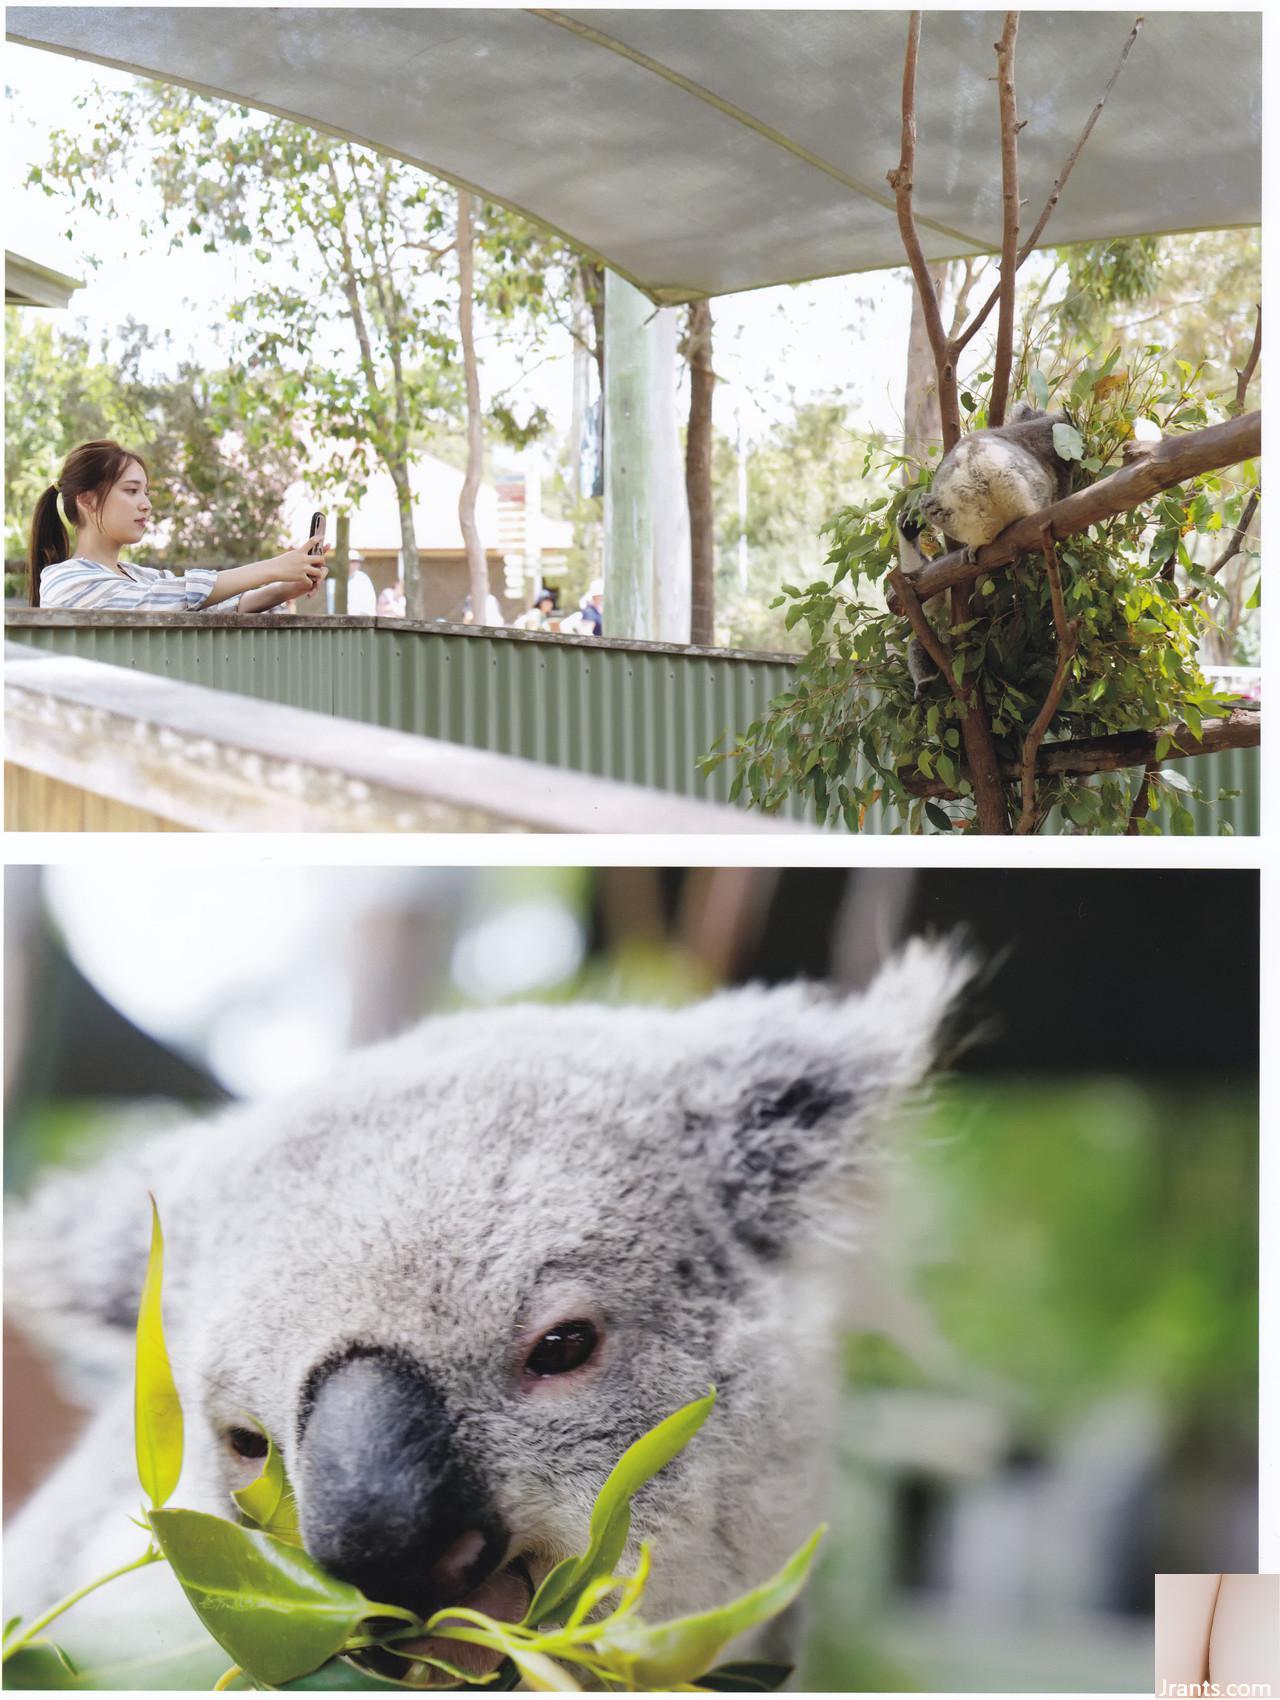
[597,587]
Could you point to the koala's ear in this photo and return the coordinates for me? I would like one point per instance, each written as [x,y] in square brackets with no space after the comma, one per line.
[786,1087]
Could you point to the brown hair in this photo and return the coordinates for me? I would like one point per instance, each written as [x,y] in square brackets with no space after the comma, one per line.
[90,470]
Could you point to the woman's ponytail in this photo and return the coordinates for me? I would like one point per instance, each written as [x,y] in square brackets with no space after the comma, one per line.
[49,542]
[90,470]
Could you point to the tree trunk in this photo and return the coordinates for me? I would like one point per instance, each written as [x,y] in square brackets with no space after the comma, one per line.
[921,414]
[414,599]
[592,279]
[477,566]
[341,570]
[697,471]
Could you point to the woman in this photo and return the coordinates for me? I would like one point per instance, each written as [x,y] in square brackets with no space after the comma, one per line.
[103,494]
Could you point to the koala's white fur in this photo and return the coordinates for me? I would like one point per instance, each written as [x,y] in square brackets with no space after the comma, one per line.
[995,476]
[692,1176]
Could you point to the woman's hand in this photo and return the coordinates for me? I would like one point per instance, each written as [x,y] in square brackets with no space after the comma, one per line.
[302,569]
[263,584]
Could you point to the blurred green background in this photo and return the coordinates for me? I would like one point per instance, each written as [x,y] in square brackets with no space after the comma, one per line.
[1055,1395]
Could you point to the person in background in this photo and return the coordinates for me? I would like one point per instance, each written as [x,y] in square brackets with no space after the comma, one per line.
[492,612]
[391,601]
[589,620]
[103,493]
[538,618]
[362,598]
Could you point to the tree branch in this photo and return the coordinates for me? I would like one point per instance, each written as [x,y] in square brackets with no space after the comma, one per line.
[1245,373]
[901,181]
[1171,462]
[1003,364]
[1068,636]
[930,642]
[960,343]
[1240,730]
[1142,798]
[1237,536]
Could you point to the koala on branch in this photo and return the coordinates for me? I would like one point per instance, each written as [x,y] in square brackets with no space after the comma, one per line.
[990,479]
[996,476]
[1171,461]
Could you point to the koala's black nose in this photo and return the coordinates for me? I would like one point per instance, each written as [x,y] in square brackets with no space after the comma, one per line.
[385,1501]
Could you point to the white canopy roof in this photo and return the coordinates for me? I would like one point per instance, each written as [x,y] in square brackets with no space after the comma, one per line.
[700,152]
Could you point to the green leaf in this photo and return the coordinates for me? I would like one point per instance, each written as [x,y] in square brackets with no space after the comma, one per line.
[1067,442]
[268,1500]
[661,1655]
[38,1666]
[1039,386]
[938,816]
[745,1678]
[611,1518]
[342,1675]
[1164,743]
[273,1609]
[157,1412]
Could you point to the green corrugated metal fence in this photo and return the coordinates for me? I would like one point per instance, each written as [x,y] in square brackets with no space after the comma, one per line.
[631,711]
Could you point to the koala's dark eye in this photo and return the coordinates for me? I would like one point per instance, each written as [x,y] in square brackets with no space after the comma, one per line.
[566,1346]
[247,1442]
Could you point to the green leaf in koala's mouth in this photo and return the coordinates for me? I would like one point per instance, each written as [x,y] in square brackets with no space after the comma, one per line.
[269,1604]
[504,1597]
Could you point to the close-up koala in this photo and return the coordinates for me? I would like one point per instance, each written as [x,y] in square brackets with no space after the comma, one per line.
[453,1289]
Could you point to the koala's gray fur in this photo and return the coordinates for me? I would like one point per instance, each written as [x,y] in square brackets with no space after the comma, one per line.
[996,476]
[692,1177]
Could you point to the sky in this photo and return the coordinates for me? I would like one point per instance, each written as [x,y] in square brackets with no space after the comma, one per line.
[774,348]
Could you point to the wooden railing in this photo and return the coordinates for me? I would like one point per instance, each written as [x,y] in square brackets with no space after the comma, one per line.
[88,744]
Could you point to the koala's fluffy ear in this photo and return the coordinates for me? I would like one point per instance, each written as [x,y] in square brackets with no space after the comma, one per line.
[789,1085]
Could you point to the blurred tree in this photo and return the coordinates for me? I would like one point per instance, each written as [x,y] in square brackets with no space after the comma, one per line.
[1195,293]
[800,473]
[217,447]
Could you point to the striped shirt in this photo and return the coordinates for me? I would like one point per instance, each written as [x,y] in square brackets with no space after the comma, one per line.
[82,583]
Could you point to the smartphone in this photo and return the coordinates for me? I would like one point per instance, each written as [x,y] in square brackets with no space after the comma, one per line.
[317,531]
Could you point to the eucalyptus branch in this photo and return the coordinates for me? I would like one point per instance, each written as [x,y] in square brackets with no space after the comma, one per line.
[1245,374]
[928,638]
[1009,127]
[28,1635]
[1068,637]
[1055,194]
[901,181]
[1115,751]
[1142,798]
[1171,462]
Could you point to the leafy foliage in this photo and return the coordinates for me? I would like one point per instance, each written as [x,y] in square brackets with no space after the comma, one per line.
[287,1623]
[852,733]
